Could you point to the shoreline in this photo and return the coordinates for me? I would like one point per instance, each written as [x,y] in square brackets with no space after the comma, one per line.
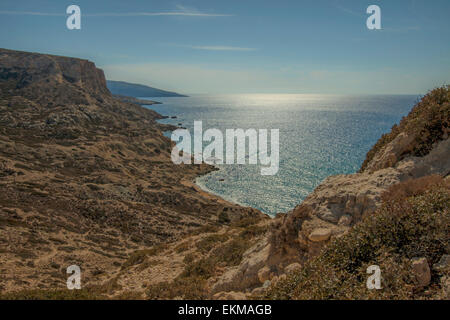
[202,189]
[205,190]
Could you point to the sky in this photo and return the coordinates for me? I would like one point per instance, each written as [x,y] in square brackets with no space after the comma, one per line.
[245,46]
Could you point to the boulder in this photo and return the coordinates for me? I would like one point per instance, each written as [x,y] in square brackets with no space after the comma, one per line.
[421,271]
[320,234]
[247,273]
[292,267]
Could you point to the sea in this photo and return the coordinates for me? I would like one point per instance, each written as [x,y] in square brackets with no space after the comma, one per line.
[319,136]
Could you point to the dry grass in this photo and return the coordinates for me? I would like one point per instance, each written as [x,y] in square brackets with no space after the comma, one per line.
[213,253]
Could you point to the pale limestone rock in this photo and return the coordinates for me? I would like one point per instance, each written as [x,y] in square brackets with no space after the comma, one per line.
[264,274]
[293,267]
[390,154]
[267,284]
[246,274]
[320,234]
[421,271]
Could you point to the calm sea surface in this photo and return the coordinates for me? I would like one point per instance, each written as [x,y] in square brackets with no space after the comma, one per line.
[320,135]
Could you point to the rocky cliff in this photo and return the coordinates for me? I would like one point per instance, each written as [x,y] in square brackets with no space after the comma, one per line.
[86,179]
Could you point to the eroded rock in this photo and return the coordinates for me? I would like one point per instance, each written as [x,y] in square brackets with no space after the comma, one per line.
[421,271]
[292,267]
[321,234]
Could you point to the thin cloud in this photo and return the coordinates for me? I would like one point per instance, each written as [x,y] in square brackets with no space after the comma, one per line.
[182,12]
[153,14]
[347,10]
[401,29]
[31,13]
[208,47]
[220,48]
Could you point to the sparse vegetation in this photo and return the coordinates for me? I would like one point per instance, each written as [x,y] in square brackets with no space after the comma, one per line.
[215,251]
[206,244]
[428,122]
[139,256]
[39,294]
[413,222]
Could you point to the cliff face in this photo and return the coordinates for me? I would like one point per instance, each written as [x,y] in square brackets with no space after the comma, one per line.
[50,79]
[86,179]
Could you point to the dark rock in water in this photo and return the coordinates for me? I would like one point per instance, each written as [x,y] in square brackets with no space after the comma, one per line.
[221,180]
[173,117]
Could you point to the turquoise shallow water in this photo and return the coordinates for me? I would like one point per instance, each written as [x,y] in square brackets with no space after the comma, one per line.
[320,135]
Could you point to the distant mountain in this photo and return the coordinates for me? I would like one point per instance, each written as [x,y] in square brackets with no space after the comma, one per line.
[138,90]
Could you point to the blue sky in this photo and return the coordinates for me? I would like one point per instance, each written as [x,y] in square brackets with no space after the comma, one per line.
[245,46]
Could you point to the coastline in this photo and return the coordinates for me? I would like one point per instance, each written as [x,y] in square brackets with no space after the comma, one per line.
[203,189]
[200,187]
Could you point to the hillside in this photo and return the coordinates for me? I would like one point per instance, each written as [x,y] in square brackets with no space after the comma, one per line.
[86,179]
[137,90]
